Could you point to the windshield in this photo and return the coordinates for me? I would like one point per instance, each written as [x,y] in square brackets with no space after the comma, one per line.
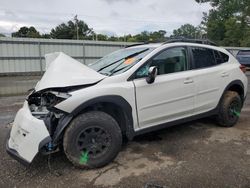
[120,61]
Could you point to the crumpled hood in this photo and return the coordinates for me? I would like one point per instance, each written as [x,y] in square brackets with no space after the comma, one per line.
[64,71]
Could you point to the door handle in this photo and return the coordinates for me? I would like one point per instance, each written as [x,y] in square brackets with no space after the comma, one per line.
[224,74]
[188,81]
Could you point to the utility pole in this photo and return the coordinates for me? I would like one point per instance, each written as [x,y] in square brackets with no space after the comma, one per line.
[76,22]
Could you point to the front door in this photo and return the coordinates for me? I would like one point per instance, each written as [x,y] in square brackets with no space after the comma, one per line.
[171,96]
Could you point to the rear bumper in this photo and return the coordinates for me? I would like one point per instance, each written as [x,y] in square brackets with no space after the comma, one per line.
[27,136]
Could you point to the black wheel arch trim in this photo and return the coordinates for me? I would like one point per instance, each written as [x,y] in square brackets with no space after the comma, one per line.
[235,82]
[115,99]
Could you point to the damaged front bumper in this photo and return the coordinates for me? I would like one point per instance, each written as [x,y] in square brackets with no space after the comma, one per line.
[28,135]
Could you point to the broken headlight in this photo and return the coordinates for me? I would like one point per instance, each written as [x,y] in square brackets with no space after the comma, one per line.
[43,103]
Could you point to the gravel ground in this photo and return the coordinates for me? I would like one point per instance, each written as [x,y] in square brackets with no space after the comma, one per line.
[195,154]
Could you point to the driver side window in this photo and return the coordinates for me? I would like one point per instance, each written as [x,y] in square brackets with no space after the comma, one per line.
[168,61]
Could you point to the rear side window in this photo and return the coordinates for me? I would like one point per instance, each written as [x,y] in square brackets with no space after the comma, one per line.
[218,57]
[244,52]
[225,57]
[203,57]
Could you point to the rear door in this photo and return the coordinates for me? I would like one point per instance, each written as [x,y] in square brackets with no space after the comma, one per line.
[209,77]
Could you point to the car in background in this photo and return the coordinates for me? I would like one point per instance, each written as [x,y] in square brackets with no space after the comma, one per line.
[243,57]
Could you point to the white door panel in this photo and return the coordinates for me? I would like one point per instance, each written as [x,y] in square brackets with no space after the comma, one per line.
[207,83]
[169,98]
[210,75]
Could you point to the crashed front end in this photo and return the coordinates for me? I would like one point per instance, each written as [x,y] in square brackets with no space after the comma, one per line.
[38,124]
[35,126]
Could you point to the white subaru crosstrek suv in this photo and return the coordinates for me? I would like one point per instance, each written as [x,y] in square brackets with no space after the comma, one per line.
[88,110]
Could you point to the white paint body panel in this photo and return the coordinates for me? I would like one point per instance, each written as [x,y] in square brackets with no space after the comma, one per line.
[110,86]
[34,130]
[64,71]
[167,99]
[210,84]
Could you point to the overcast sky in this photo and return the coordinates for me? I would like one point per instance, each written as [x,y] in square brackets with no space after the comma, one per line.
[113,17]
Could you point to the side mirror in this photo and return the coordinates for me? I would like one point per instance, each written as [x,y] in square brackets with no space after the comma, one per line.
[152,73]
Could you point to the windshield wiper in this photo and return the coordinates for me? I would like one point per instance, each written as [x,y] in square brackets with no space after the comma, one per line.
[132,55]
[115,71]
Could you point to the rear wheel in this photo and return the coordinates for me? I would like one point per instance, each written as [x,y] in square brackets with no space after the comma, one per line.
[92,140]
[230,109]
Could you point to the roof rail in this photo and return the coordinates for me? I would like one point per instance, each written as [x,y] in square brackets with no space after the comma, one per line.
[198,41]
[137,44]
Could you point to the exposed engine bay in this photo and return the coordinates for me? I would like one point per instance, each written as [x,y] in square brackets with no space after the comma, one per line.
[41,103]
[42,106]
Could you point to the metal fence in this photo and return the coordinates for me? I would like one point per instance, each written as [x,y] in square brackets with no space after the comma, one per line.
[19,55]
[22,60]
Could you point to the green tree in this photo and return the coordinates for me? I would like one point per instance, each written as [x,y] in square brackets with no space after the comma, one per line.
[158,36]
[142,37]
[245,41]
[102,37]
[69,30]
[27,32]
[228,21]
[46,36]
[145,36]
[2,35]
[187,31]
[113,38]
[233,32]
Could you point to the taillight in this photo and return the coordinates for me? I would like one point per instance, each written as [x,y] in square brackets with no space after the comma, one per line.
[243,68]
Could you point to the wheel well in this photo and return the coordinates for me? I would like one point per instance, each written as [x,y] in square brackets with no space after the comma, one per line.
[113,110]
[237,88]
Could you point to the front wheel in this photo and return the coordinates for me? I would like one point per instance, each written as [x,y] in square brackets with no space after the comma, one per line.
[92,140]
[229,109]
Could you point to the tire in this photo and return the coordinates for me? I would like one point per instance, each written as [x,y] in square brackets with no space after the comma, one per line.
[92,140]
[229,109]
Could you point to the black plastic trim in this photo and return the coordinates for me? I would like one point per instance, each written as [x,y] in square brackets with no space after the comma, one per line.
[62,124]
[44,142]
[115,99]
[236,82]
[173,123]
[197,41]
